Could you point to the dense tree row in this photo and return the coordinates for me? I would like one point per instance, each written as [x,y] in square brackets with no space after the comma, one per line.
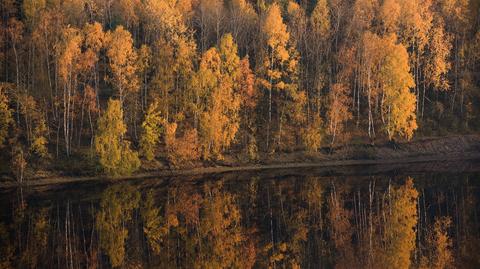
[198,79]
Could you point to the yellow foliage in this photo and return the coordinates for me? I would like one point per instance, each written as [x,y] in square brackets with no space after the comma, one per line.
[400,103]
[438,64]
[122,60]
[152,128]
[320,20]
[390,12]
[274,29]
[219,120]
[36,131]
[32,8]
[247,90]
[94,36]
[5,117]
[39,141]
[144,58]
[312,134]
[69,51]
[40,232]
[279,77]
[115,155]
[388,74]
[19,163]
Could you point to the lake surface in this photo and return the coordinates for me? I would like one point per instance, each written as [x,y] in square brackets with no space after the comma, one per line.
[423,215]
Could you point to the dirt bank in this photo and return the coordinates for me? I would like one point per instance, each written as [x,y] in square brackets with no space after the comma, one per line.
[460,146]
[421,150]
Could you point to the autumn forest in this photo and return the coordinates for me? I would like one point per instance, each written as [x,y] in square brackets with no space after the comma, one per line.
[118,84]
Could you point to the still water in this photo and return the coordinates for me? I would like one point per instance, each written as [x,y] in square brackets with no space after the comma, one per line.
[417,216]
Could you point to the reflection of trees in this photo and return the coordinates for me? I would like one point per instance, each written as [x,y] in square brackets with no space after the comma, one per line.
[313,194]
[116,208]
[283,223]
[438,253]
[341,231]
[466,220]
[289,227]
[199,230]
[38,243]
[401,220]
[221,242]
[153,226]
[385,230]
[6,248]
[30,247]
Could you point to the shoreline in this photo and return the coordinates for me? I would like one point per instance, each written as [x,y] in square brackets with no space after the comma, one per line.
[162,173]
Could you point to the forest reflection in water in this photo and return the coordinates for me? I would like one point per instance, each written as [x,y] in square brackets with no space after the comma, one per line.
[296,221]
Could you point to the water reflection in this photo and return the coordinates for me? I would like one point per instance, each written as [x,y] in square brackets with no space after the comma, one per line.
[287,222]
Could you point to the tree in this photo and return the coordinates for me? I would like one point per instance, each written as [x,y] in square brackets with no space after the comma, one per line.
[115,155]
[312,135]
[144,67]
[242,20]
[32,8]
[363,17]
[6,117]
[69,54]
[152,128]
[390,12]
[122,61]
[125,11]
[219,119]
[338,113]
[320,20]
[386,72]
[371,59]
[211,20]
[278,69]
[437,62]
[94,40]
[32,129]
[400,103]
[173,55]
[15,32]
[320,26]
[248,95]
[39,140]
[19,163]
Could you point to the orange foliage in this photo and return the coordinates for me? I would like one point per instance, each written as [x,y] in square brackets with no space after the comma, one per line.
[182,149]
[338,112]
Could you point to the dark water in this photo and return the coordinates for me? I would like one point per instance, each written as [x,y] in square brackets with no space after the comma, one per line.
[418,216]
